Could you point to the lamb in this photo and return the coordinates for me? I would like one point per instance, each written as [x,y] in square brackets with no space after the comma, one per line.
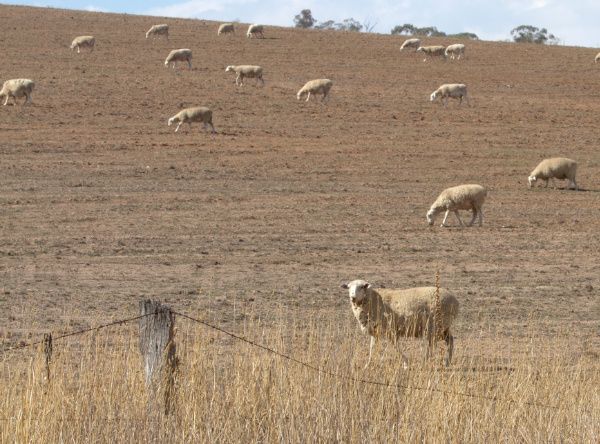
[461,197]
[179,55]
[195,114]
[457,50]
[557,167]
[83,41]
[396,313]
[454,90]
[249,71]
[158,30]
[432,51]
[318,86]
[226,28]
[17,88]
[255,30]
[411,43]
[597,58]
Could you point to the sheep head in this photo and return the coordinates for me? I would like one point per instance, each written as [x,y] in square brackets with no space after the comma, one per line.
[433,96]
[531,180]
[357,291]
[171,120]
[431,216]
[229,68]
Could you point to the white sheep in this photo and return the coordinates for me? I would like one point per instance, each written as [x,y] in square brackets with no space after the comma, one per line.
[597,58]
[158,30]
[318,86]
[432,51]
[179,55]
[255,30]
[411,43]
[453,90]
[396,313]
[17,88]
[455,51]
[462,197]
[195,114]
[83,41]
[226,28]
[250,71]
[555,168]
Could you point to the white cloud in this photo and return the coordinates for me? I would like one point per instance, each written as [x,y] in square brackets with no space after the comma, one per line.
[93,8]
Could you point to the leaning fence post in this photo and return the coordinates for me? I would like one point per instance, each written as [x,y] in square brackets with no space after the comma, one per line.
[157,346]
[48,353]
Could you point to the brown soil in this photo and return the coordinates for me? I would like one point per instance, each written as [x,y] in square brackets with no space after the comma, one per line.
[102,204]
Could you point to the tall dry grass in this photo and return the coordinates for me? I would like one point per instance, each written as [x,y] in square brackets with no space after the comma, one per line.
[227,391]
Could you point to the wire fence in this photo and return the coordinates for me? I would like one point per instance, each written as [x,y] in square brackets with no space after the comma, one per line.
[287,357]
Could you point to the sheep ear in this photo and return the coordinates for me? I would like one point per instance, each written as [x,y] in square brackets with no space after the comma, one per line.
[368,285]
[344,286]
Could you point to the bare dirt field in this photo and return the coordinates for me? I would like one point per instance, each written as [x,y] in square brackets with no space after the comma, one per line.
[103,205]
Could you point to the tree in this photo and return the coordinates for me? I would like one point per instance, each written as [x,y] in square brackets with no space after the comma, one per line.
[329,24]
[406,29]
[531,34]
[349,24]
[304,19]
[465,35]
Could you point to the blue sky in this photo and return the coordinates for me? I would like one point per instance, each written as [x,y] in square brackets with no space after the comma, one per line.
[575,22]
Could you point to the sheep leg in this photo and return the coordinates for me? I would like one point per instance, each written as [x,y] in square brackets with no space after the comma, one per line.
[470,224]
[6,101]
[445,218]
[371,345]
[307,97]
[237,80]
[574,184]
[450,345]
[261,80]
[190,64]
[78,50]
[178,125]
[480,217]
[458,217]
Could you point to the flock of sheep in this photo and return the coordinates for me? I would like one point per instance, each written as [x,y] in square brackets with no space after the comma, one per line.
[381,313]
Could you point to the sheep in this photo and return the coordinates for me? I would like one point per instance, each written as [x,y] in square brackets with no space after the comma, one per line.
[318,86]
[462,197]
[557,167]
[454,90]
[17,88]
[226,28]
[411,43]
[597,58]
[457,50]
[179,55]
[255,30]
[432,51]
[83,41]
[396,313]
[194,114]
[249,71]
[158,30]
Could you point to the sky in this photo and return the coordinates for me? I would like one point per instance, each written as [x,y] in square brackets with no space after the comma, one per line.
[574,22]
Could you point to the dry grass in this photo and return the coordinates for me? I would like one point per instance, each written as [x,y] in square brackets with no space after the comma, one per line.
[227,391]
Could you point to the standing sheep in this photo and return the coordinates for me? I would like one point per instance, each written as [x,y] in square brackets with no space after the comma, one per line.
[453,90]
[457,50]
[17,88]
[411,43]
[83,41]
[556,168]
[226,28]
[158,30]
[432,51]
[396,313]
[318,86]
[179,55]
[255,30]
[249,71]
[461,197]
[195,114]
[597,58]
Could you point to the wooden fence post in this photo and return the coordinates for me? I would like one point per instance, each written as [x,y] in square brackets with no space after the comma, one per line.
[157,346]
[48,353]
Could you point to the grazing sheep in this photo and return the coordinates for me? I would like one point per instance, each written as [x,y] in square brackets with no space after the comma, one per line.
[454,90]
[397,313]
[83,41]
[597,58]
[461,197]
[457,50]
[318,86]
[179,55]
[255,30]
[158,30]
[195,114]
[226,28]
[432,51]
[17,88]
[249,71]
[555,168]
[411,43]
